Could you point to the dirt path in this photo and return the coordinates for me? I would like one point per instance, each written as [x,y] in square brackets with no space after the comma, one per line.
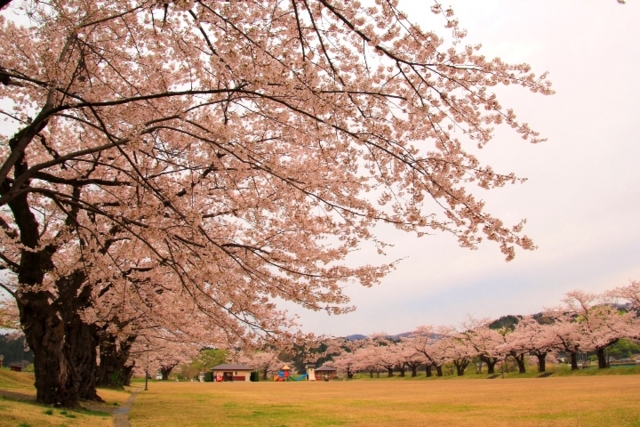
[120,415]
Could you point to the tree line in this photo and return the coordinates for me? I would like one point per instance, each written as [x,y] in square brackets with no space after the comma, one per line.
[583,322]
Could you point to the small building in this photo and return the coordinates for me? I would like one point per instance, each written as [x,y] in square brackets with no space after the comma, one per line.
[311,372]
[231,372]
[329,371]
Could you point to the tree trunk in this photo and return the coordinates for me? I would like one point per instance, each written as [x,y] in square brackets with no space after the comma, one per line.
[166,371]
[414,370]
[602,359]
[427,369]
[461,365]
[81,338]
[83,343]
[389,371]
[55,379]
[127,371]
[439,370]
[573,356]
[519,358]
[542,361]
[402,368]
[113,370]
[491,364]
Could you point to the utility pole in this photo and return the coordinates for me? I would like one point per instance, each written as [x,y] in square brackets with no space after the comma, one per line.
[146,371]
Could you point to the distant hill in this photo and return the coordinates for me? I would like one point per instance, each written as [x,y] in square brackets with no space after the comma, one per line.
[355,337]
[508,322]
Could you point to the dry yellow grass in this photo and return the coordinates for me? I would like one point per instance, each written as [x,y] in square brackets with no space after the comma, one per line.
[568,401]
[18,407]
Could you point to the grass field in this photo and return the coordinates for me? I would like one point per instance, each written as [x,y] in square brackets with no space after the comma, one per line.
[18,409]
[572,401]
[579,401]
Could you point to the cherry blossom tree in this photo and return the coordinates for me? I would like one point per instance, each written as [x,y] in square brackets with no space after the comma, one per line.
[458,351]
[599,322]
[9,316]
[346,363]
[410,357]
[385,352]
[566,333]
[241,149]
[265,361]
[514,347]
[484,341]
[343,354]
[630,293]
[538,339]
[427,340]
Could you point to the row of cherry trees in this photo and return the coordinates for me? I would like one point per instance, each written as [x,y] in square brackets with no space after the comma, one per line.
[584,322]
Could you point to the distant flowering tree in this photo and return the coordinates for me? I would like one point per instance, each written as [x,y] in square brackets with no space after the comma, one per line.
[484,341]
[264,361]
[427,340]
[566,334]
[537,339]
[599,321]
[458,351]
[409,356]
[513,346]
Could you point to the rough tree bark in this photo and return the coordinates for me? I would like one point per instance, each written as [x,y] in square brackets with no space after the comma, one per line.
[81,338]
[56,380]
[113,371]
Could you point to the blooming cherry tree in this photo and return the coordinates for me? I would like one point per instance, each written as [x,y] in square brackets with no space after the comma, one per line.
[599,322]
[484,341]
[240,150]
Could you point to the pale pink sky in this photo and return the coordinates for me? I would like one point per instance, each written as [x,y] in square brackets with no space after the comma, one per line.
[582,200]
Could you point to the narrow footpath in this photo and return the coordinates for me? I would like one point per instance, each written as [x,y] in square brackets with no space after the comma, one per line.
[121,414]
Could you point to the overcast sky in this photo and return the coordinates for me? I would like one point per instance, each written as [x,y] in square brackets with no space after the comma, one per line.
[582,197]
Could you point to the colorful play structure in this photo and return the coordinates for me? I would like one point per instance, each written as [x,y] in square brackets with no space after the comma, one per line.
[284,374]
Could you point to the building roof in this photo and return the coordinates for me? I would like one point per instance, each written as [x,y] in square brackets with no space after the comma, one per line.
[232,367]
[326,369]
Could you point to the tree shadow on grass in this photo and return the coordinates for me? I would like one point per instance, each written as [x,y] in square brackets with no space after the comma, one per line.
[86,408]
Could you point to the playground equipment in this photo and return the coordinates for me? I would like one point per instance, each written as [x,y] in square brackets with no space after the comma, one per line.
[285,375]
[281,378]
[311,372]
